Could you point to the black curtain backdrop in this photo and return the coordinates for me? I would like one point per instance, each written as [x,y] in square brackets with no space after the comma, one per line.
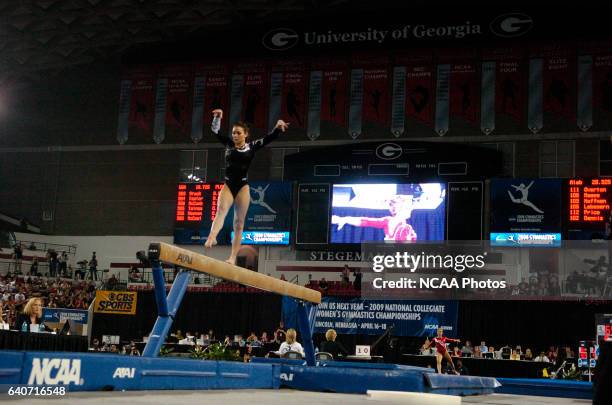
[533,324]
[226,313]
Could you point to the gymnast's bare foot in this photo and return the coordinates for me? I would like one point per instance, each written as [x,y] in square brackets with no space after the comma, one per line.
[210,242]
[231,260]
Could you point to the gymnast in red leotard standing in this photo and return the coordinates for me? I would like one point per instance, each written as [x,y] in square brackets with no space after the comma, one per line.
[441,352]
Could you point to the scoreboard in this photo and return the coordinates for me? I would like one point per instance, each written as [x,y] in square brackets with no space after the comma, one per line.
[589,200]
[196,203]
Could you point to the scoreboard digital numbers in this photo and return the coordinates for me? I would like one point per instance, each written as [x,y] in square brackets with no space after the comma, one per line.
[196,203]
[589,201]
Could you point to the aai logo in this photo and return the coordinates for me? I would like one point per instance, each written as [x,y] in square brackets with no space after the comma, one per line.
[280,39]
[388,151]
[511,25]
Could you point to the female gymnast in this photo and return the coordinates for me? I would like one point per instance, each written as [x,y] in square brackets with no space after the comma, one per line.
[441,352]
[395,226]
[238,156]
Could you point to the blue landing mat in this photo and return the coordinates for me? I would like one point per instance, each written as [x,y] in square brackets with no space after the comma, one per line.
[546,388]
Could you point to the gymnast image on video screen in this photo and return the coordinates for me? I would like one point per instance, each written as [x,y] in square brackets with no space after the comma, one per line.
[396,212]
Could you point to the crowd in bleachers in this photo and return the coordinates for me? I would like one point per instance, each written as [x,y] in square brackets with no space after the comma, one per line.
[15,291]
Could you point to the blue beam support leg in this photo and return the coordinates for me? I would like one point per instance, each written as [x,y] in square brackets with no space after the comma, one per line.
[166,308]
[305,315]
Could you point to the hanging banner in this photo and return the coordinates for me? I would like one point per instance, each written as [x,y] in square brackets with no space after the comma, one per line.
[124,111]
[276,94]
[373,317]
[585,93]
[159,126]
[141,103]
[419,91]
[535,119]
[559,79]
[356,103]
[510,88]
[334,94]
[211,91]
[442,99]
[255,96]
[236,100]
[178,102]
[314,105]
[398,103]
[465,91]
[602,90]
[487,116]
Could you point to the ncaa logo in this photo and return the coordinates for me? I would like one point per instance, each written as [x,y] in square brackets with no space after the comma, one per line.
[280,39]
[388,151]
[511,25]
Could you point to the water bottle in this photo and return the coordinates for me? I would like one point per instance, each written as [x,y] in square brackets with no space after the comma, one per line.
[41,327]
[24,326]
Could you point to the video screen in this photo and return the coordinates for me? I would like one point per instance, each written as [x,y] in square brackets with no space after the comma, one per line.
[379,212]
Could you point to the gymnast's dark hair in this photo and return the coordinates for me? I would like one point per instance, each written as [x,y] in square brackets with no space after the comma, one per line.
[246,127]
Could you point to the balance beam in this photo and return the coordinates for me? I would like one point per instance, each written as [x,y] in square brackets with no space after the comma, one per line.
[164,252]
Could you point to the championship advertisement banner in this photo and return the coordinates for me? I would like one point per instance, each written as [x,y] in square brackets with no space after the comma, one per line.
[56,318]
[178,102]
[526,209]
[373,317]
[142,103]
[116,302]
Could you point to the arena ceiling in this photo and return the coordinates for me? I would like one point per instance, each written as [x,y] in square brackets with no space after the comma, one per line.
[42,37]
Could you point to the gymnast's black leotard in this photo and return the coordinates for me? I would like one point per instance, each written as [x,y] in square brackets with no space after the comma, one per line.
[237,161]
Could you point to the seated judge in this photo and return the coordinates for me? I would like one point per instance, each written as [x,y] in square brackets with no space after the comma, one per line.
[331,346]
[31,314]
[290,344]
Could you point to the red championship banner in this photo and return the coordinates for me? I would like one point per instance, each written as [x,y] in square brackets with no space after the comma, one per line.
[294,98]
[465,90]
[216,92]
[511,69]
[559,82]
[377,88]
[255,95]
[142,102]
[178,102]
[420,87]
[334,90]
[602,86]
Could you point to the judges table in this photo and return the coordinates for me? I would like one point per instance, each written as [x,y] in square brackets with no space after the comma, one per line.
[16,340]
[485,367]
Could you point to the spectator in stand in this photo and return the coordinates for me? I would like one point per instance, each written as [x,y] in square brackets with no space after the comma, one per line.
[31,315]
[515,355]
[331,346]
[323,286]
[53,263]
[211,334]
[34,267]
[491,349]
[569,353]
[456,352]
[282,277]
[18,256]
[357,281]
[426,349]
[112,282]
[80,271]
[2,321]
[252,338]
[542,358]
[346,272]
[135,275]
[32,246]
[467,348]
[93,267]
[227,341]
[279,333]
[114,350]
[528,354]
[63,264]
[95,345]
[264,337]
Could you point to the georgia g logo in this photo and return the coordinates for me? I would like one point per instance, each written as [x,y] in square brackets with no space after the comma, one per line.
[511,25]
[280,39]
[388,151]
